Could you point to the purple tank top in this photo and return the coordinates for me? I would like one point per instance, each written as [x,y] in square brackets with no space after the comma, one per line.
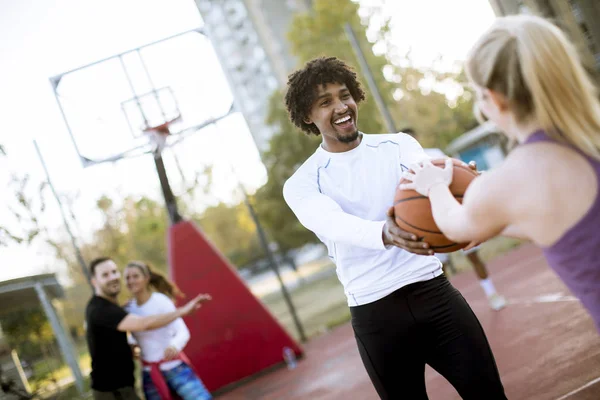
[575,257]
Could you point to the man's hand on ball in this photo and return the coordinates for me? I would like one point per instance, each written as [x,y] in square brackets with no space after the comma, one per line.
[473,166]
[426,175]
[393,235]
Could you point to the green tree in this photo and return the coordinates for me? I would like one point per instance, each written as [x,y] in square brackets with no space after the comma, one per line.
[424,104]
[147,224]
[26,208]
[28,330]
[321,33]
[287,150]
[232,231]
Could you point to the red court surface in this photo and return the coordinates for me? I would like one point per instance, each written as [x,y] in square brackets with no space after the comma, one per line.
[545,345]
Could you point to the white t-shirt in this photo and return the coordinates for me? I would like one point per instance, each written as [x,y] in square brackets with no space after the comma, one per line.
[343,198]
[153,343]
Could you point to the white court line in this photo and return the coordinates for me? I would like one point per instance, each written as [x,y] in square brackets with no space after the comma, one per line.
[587,385]
[545,298]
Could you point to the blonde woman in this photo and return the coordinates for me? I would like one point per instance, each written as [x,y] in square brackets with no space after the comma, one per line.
[167,373]
[529,81]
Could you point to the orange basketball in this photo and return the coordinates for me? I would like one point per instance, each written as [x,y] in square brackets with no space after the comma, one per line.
[413,211]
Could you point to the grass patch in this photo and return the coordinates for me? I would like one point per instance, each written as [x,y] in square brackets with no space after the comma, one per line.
[320,305]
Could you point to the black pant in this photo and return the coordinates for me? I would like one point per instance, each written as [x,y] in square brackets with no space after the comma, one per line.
[425,323]
[126,393]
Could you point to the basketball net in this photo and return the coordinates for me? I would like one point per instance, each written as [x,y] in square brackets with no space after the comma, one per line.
[157,136]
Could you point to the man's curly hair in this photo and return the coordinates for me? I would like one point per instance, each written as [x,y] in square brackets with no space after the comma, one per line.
[302,88]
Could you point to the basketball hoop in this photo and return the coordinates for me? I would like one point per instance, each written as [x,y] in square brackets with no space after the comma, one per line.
[158,135]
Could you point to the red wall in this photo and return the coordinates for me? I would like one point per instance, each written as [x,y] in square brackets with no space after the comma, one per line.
[233,336]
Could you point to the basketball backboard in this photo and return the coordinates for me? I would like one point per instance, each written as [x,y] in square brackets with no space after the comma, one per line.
[109,104]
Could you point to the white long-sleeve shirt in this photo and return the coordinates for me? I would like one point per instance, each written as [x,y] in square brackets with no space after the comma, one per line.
[343,198]
[153,343]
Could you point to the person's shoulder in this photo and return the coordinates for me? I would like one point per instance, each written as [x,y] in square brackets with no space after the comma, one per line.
[399,139]
[535,158]
[378,138]
[515,175]
[534,163]
[91,305]
[160,298]
[306,172]
[91,301]
[98,304]
[130,305]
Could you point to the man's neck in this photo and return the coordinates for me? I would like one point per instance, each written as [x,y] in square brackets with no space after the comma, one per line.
[142,297]
[335,146]
[112,299]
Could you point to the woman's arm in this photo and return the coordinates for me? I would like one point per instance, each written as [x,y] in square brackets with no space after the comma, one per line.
[483,214]
[487,204]
[513,231]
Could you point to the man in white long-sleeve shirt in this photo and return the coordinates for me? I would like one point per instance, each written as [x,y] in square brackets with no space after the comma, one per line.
[405,314]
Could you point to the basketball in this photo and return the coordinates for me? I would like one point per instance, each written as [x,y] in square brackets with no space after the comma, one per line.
[413,211]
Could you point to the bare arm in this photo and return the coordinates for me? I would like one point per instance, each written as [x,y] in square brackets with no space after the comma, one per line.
[134,323]
[514,232]
[322,215]
[484,213]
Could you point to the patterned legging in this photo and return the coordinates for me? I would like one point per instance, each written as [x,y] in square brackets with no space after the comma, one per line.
[181,380]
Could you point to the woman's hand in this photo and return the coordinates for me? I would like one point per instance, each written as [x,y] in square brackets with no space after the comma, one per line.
[171,353]
[426,175]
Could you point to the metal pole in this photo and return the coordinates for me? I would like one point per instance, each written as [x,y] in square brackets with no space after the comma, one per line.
[55,82]
[78,254]
[265,245]
[22,376]
[170,200]
[272,263]
[497,7]
[64,343]
[364,65]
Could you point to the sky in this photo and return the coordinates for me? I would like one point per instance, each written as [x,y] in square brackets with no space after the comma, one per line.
[40,39]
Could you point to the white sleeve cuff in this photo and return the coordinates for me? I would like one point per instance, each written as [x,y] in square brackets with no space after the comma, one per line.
[374,236]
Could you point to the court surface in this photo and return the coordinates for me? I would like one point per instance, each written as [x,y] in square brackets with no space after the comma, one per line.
[545,345]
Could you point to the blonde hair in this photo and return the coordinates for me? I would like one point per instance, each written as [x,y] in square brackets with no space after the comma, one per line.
[532,63]
[157,281]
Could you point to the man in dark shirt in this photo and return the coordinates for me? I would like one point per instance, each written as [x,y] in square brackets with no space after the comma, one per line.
[107,327]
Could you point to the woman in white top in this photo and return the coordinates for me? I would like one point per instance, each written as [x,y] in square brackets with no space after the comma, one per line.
[165,374]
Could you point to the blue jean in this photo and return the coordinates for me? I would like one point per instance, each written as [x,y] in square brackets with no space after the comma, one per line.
[181,380]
